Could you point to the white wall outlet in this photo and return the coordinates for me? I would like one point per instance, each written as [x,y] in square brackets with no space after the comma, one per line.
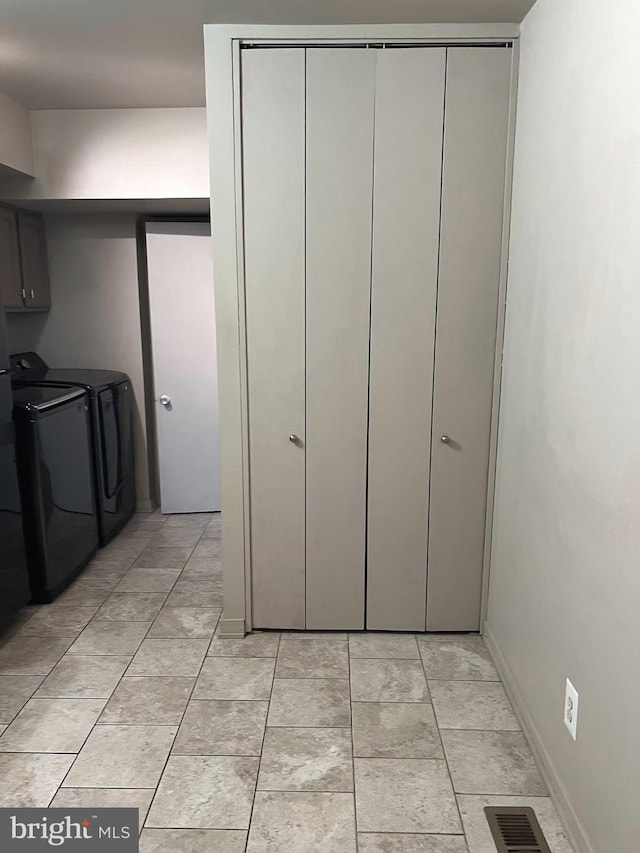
[571,709]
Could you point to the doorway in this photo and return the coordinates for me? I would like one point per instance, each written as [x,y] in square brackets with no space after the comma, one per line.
[184,364]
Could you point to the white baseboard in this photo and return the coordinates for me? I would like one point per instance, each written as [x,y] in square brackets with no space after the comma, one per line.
[571,822]
[231,629]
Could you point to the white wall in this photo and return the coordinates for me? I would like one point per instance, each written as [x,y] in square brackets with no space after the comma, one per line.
[565,573]
[94,320]
[116,154]
[16,148]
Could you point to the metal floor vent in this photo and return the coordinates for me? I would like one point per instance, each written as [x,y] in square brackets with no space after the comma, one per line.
[516,830]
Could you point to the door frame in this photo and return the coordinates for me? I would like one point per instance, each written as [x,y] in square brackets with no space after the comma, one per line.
[222,70]
[153,462]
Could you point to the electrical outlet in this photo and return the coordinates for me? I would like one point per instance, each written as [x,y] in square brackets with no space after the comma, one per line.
[571,709]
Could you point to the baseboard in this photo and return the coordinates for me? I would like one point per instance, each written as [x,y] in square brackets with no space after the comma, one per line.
[231,629]
[146,506]
[571,822]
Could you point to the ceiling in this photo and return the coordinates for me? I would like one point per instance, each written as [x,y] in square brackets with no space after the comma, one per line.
[83,54]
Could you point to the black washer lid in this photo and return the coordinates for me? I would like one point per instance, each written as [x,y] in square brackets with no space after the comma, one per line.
[28,367]
[89,379]
[42,398]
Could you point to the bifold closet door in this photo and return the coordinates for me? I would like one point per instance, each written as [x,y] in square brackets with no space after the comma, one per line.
[473,183]
[339,181]
[273,111]
[406,223]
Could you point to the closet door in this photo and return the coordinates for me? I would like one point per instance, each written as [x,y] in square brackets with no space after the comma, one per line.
[273,84]
[475,150]
[406,211]
[339,138]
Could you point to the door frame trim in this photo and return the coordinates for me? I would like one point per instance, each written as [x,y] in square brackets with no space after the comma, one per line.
[147,351]
[222,71]
[500,327]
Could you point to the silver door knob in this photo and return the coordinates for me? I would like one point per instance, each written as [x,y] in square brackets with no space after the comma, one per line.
[165,401]
[294,438]
[445,439]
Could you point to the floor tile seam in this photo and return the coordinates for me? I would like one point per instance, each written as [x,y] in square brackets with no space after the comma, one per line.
[139,725]
[342,728]
[393,758]
[389,702]
[353,758]
[49,671]
[71,766]
[299,677]
[382,658]
[222,698]
[260,790]
[385,658]
[244,829]
[446,759]
[105,788]
[30,674]
[240,657]
[289,726]
[104,654]
[42,752]
[264,735]
[392,832]
[169,751]
[466,680]
[108,699]
[78,697]
[512,796]
[483,731]
[122,620]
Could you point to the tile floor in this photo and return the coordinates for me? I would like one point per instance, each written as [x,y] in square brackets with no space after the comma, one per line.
[121,694]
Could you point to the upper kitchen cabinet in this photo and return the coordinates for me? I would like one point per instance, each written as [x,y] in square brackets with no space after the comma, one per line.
[23,261]
[33,262]
[10,261]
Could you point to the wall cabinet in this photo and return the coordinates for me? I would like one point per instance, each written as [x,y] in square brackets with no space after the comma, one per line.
[10,260]
[23,261]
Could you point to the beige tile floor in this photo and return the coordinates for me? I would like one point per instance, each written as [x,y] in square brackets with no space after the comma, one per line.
[121,694]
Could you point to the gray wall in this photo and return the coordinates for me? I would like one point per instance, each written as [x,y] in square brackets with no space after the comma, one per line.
[95,313]
[565,573]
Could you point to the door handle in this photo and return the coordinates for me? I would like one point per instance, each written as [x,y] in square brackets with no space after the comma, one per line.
[165,401]
[445,439]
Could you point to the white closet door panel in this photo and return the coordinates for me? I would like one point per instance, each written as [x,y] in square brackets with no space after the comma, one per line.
[273,84]
[408,162]
[340,95]
[475,147]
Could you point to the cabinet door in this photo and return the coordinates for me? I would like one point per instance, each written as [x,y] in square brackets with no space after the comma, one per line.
[33,259]
[10,260]
[473,178]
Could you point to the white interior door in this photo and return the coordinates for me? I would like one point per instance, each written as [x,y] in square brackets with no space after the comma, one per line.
[183,335]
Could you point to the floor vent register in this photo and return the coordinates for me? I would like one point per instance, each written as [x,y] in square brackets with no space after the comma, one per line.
[516,830]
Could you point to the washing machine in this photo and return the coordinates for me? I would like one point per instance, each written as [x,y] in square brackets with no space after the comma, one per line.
[111,407]
[55,472]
